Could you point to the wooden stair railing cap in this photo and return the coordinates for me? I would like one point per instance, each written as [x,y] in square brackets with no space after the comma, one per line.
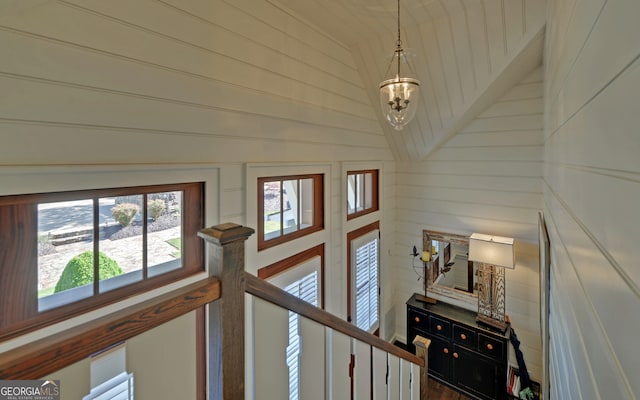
[420,341]
[225,233]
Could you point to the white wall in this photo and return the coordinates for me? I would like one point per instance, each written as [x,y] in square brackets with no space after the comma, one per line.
[151,361]
[591,193]
[93,90]
[113,82]
[460,50]
[485,179]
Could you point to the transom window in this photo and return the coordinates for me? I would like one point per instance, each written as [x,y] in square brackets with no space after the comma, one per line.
[288,207]
[69,252]
[362,193]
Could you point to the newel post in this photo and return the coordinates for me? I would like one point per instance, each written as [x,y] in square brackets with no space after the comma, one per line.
[422,351]
[225,245]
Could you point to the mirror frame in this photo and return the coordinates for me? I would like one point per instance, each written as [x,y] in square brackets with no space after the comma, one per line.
[461,297]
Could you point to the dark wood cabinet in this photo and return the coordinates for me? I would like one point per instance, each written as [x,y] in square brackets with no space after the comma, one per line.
[470,357]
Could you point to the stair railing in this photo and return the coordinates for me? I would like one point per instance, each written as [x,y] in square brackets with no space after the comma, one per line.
[225,245]
[224,293]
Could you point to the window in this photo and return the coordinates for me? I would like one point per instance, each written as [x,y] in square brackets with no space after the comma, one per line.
[362,193]
[289,207]
[301,276]
[363,272]
[109,378]
[306,289]
[117,388]
[69,252]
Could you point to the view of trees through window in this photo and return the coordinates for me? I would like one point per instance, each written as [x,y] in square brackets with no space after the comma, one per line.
[135,237]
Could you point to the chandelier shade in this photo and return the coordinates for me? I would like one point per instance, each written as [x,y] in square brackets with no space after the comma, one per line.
[399,94]
[399,100]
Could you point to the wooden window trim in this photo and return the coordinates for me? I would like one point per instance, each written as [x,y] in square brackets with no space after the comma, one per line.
[18,256]
[295,260]
[318,210]
[375,194]
[350,237]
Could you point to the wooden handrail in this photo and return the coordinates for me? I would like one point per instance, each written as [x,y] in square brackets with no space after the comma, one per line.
[277,296]
[45,356]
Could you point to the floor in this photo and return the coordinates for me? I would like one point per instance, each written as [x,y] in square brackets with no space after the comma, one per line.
[437,390]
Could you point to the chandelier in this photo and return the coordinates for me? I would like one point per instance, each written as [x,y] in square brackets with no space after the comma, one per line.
[399,95]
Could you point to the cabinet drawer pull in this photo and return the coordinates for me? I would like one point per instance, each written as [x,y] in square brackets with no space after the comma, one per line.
[489,346]
[455,355]
[463,336]
[446,351]
[439,327]
[417,319]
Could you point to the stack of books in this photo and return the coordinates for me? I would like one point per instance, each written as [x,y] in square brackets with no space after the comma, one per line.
[514,385]
[513,381]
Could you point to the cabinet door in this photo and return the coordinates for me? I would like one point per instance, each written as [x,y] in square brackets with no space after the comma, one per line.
[476,374]
[440,358]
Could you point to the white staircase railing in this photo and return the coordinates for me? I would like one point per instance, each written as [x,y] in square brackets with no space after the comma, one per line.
[330,363]
[337,360]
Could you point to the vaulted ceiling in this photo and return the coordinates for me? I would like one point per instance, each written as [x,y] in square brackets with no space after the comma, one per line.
[466,53]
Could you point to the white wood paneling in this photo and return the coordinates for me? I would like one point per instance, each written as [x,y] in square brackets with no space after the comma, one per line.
[270,340]
[394,377]
[446,66]
[379,382]
[187,81]
[405,380]
[591,177]
[162,370]
[415,382]
[312,360]
[487,178]
[362,370]
[339,384]
[461,47]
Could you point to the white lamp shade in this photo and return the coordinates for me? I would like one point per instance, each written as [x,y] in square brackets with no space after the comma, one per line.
[399,100]
[494,250]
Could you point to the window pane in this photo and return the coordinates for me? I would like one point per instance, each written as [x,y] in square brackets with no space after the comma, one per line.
[351,194]
[164,232]
[65,235]
[368,190]
[272,205]
[360,195]
[120,244]
[366,286]
[290,202]
[306,203]
[307,289]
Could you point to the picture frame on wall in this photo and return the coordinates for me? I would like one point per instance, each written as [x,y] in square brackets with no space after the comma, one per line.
[545,287]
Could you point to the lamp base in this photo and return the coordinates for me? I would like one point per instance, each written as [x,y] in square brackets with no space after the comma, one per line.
[493,323]
[425,299]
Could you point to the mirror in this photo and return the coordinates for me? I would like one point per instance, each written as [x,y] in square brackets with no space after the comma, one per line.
[450,273]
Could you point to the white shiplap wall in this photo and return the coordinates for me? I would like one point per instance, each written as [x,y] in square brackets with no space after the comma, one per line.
[458,53]
[162,84]
[458,49]
[486,179]
[176,81]
[591,193]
